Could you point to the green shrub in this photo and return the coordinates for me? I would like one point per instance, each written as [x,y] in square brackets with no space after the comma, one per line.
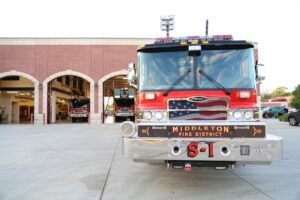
[283,118]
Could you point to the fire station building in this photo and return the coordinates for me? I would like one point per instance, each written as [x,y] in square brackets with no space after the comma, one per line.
[39,76]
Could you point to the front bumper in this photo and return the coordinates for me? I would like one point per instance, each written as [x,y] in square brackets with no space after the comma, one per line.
[261,150]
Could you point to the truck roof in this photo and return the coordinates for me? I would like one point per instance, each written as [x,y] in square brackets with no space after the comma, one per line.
[207,43]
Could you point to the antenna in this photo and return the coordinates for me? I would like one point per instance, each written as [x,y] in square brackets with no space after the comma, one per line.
[206,28]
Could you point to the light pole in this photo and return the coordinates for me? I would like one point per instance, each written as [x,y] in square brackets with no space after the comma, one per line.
[167,23]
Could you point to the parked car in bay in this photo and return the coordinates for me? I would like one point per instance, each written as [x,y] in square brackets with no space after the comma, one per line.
[294,118]
[274,111]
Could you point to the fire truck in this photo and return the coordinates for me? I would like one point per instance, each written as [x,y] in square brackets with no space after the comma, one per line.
[124,104]
[197,105]
[79,109]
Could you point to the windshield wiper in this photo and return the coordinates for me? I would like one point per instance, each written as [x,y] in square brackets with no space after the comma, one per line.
[177,82]
[216,83]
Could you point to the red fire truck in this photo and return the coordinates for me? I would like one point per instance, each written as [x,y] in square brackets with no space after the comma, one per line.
[124,104]
[79,109]
[197,105]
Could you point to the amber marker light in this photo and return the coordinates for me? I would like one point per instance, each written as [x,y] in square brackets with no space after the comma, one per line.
[183,43]
[256,115]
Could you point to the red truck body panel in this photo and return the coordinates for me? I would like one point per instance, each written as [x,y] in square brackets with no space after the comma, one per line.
[160,101]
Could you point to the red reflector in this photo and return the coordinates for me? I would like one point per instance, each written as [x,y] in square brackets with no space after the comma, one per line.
[194,37]
[163,40]
[222,37]
[188,167]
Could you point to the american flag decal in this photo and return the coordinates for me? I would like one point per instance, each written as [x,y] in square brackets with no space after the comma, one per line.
[213,109]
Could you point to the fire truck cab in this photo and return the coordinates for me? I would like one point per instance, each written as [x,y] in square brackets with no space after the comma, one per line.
[124,104]
[79,109]
[197,105]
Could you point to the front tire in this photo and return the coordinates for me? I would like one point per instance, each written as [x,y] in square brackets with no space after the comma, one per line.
[293,121]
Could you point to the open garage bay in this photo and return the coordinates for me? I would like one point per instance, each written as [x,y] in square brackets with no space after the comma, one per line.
[81,161]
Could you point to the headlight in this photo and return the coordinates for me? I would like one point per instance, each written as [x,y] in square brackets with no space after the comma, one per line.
[248,114]
[153,115]
[147,115]
[237,115]
[158,115]
[243,115]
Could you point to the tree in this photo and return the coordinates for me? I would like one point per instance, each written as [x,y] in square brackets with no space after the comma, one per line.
[280,92]
[265,96]
[295,103]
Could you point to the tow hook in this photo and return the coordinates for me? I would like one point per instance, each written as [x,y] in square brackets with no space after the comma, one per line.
[187,167]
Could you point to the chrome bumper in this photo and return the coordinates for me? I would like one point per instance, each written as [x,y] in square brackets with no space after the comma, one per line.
[261,149]
[149,149]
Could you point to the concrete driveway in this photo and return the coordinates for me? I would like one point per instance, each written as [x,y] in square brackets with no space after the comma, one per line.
[78,161]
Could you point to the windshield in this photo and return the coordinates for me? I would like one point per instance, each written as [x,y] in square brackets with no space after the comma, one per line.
[234,69]
[79,103]
[124,102]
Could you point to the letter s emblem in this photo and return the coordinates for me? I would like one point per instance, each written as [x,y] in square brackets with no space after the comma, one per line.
[192,149]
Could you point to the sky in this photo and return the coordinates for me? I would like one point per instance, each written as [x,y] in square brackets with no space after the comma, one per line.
[273,24]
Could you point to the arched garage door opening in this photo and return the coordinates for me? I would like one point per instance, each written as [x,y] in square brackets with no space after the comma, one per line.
[118,100]
[18,98]
[68,98]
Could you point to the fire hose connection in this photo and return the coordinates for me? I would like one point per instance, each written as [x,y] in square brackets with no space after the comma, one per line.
[176,150]
[225,151]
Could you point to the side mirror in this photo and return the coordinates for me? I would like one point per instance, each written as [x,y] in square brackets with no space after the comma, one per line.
[131,74]
[260,71]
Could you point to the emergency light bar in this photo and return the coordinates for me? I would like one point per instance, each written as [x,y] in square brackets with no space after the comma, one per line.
[193,38]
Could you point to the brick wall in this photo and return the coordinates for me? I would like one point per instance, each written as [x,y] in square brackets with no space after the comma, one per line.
[42,61]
